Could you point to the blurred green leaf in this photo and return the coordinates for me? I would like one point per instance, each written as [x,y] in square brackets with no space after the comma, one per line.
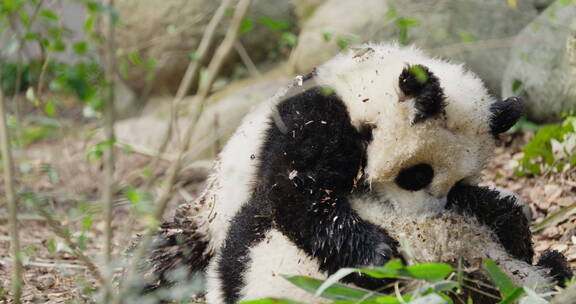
[432,272]
[391,13]
[246,26]
[467,37]
[80,47]
[50,108]
[516,86]
[51,172]
[89,23]
[135,58]
[51,246]
[87,222]
[513,296]
[419,73]
[271,301]
[275,25]
[403,24]
[48,14]
[334,292]
[82,241]
[342,44]
[96,152]
[24,17]
[32,36]
[289,39]
[500,279]
[57,46]
[327,36]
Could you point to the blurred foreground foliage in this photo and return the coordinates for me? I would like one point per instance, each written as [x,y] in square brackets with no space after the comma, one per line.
[435,282]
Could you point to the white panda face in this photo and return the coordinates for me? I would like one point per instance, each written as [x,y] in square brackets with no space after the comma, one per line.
[414,156]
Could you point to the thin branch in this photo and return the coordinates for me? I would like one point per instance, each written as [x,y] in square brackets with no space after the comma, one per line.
[187,81]
[108,182]
[246,59]
[554,217]
[214,67]
[50,265]
[11,200]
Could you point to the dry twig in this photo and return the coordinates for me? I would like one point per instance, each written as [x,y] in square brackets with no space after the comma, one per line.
[11,200]
[108,182]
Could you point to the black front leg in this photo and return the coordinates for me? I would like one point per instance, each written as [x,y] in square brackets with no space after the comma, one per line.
[499,212]
[310,167]
[322,223]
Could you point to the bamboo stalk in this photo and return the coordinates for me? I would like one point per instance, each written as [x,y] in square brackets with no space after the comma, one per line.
[12,203]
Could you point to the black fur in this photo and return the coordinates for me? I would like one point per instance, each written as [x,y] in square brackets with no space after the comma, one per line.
[415,178]
[247,228]
[307,173]
[502,215]
[557,265]
[419,82]
[505,114]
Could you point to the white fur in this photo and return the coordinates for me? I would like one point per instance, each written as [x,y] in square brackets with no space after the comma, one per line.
[456,144]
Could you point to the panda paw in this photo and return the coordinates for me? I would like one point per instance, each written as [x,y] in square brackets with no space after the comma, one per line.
[380,253]
[385,251]
[557,266]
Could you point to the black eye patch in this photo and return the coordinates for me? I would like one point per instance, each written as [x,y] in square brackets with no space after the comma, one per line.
[415,178]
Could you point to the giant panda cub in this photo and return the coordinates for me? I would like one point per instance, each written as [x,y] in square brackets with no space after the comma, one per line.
[378,144]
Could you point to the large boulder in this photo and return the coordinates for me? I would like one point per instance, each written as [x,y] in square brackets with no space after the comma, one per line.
[170,30]
[542,65]
[477,32]
[217,123]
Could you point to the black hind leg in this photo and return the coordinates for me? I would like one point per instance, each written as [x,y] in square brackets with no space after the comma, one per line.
[557,265]
[501,213]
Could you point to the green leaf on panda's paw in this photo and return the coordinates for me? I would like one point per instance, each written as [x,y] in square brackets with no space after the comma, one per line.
[431,272]
[271,301]
[336,292]
[500,279]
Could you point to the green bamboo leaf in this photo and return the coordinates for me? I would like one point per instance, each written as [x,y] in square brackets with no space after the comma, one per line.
[48,14]
[271,301]
[334,292]
[513,296]
[500,279]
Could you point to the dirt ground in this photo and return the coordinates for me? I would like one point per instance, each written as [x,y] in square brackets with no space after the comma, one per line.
[53,275]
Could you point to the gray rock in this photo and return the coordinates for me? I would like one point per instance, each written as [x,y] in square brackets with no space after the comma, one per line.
[477,32]
[216,124]
[169,31]
[542,66]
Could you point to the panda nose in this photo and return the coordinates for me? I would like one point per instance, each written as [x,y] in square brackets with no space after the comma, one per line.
[415,178]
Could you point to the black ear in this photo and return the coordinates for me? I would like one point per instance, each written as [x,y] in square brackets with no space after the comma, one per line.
[505,114]
[418,82]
